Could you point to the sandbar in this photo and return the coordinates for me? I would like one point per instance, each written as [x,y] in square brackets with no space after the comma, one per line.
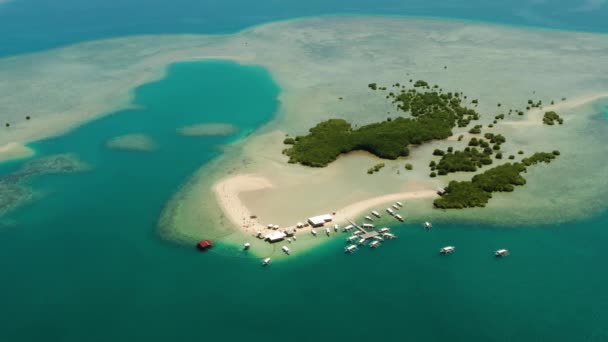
[13,151]
[133,142]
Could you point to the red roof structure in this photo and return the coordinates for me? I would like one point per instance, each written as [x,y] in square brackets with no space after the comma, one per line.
[204,244]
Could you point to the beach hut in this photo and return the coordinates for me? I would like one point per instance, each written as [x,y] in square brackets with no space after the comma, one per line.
[320,220]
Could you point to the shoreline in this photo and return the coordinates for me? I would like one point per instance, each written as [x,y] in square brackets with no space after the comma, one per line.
[227,191]
[15,151]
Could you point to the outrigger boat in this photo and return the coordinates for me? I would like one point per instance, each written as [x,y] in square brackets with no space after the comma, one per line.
[266,262]
[501,252]
[447,250]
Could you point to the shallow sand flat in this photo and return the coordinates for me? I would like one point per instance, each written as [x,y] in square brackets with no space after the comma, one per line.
[317,60]
[208,129]
[133,142]
[13,150]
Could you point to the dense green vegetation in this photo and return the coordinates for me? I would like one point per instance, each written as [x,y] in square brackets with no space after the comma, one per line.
[478,191]
[468,160]
[434,114]
[376,168]
[551,117]
[409,167]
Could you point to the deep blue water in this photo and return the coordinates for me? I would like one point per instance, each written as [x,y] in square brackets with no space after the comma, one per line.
[29,25]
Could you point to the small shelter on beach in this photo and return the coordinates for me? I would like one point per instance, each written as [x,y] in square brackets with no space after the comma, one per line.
[318,221]
[275,236]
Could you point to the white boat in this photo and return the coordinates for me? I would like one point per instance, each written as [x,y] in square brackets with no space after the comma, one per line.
[399,204]
[384,230]
[398,217]
[396,207]
[352,238]
[375,213]
[501,252]
[313,232]
[390,211]
[294,238]
[358,232]
[350,249]
[379,238]
[368,226]
[447,250]
[389,235]
[327,231]
[266,262]
[374,244]
[362,241]
[289,240]
[246,245]
[336,227]
[285,249]
[270,226]
[347,228]
[369,218]
[428,225]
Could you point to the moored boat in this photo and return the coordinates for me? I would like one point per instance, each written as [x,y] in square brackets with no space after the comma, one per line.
[246,245]
[399,203]
[266,261]
[384,230]
[313,232]
[390,211]
[428,225]
[399,217]
[374,244]
[501,252]
[375,213]
[285,249]
[350,249]
[447,250]
[336,227]
[204,245]
[327,231]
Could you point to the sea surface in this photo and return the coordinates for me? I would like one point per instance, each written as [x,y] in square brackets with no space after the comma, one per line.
[83,261]
[31,25]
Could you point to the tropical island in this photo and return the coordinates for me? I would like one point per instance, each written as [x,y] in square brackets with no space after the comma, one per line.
[433,116]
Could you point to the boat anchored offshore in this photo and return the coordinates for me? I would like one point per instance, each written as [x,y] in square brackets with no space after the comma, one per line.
[447,250]
[501,252]
[390,211]
[266,262]
[350,249]
[336,227]
[375,244]
[369,218]
[313,232]
[375,213]
[327,231]
[428,225]
[399,204]
[399,217]
[246,245]
[285,249]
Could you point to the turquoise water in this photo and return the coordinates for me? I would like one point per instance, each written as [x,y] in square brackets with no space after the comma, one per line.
[85,263]
[30,25]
